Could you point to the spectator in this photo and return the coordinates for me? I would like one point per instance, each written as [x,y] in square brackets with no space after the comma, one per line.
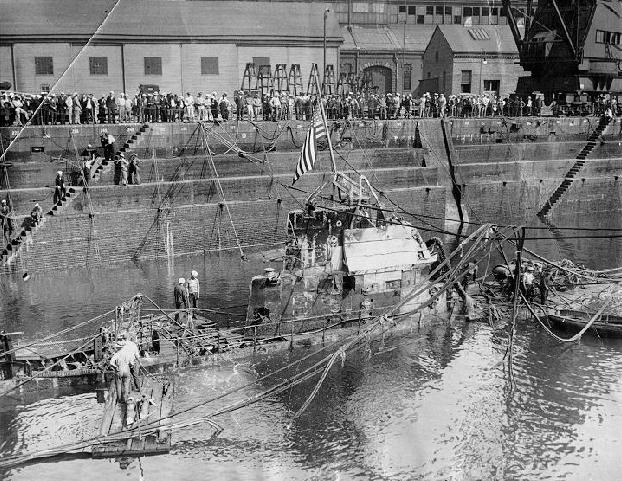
[122,166]
[108,141]
[111,108]
[77,109]
[36,214]
[5,221]
[134,170]
[201,107]
[189,103]
[256,106]
[214,106]
[224,106]
[59,187]
[239,105]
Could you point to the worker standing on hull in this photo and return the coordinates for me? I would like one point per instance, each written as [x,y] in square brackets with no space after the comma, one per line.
[124,362]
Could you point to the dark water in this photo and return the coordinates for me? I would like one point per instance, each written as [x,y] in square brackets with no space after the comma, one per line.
[431,404]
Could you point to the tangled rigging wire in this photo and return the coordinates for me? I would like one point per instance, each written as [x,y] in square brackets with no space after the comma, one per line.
[477,242]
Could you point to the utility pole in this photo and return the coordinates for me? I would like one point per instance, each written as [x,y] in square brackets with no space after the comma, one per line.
[324,71]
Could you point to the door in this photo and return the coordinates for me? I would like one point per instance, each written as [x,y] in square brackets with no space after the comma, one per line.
[381,78]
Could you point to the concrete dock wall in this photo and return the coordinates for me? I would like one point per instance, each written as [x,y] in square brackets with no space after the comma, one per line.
[162,217]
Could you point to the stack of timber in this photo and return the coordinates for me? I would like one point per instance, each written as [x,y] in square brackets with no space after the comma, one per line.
[151,405]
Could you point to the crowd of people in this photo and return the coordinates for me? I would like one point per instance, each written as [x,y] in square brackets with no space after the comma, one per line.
[50,109]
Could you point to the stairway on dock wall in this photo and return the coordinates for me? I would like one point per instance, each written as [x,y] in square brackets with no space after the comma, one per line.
[576,167]
[27,235]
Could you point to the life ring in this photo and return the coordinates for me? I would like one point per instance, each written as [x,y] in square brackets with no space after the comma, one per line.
[338,223]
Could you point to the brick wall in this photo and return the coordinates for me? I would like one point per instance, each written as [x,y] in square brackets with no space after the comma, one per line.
[74,240]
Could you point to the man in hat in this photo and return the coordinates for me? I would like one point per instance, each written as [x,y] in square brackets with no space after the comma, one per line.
[35,214]
[193,289]
[527,281]
[90,107]
[124,363]
[122,165]
[111,106]
[108,141]
[59,187]
[5,220]
[180,294]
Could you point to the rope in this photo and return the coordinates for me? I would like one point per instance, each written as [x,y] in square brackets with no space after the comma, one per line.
[60,333]
[578,335]
[224,200]
[48,368]
[450,277]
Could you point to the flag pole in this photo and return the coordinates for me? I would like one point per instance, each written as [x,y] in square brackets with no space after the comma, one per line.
[330,144]
[324,121]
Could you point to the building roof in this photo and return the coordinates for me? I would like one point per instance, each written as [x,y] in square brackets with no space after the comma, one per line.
[486,39]
[417,36]
[386,38]
[252,22]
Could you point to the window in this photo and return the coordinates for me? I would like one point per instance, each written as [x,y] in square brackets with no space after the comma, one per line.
[98,65]
[407,76]
[44,66]
[494,11]
[359,7]
[153,65]
[378,7]
[448,11]
[429,10]
[600,36]
[492,86]
[439,10]
[209,65]
[465,82]
[346,68]
[436,56]
[476,11]
[412,10]
[261,61]
[458,19]
[402,9]
[485,11]
[45,88]
[420,19]
[608,38]
[467,12]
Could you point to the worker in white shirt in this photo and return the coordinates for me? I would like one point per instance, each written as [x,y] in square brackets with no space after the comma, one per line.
[193,289]
[125,362]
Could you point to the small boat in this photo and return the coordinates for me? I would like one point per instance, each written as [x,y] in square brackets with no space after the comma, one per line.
[609,325]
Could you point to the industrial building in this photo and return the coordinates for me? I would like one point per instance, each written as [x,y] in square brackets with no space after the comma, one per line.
[181,46]
[475,59]
[177,46]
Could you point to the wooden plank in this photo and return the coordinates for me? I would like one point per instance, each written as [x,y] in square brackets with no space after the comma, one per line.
[166,406]
[110,407]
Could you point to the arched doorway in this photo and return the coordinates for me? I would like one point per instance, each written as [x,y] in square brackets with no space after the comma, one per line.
[380,77]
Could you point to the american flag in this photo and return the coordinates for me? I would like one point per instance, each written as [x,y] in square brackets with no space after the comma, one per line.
[306,161]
